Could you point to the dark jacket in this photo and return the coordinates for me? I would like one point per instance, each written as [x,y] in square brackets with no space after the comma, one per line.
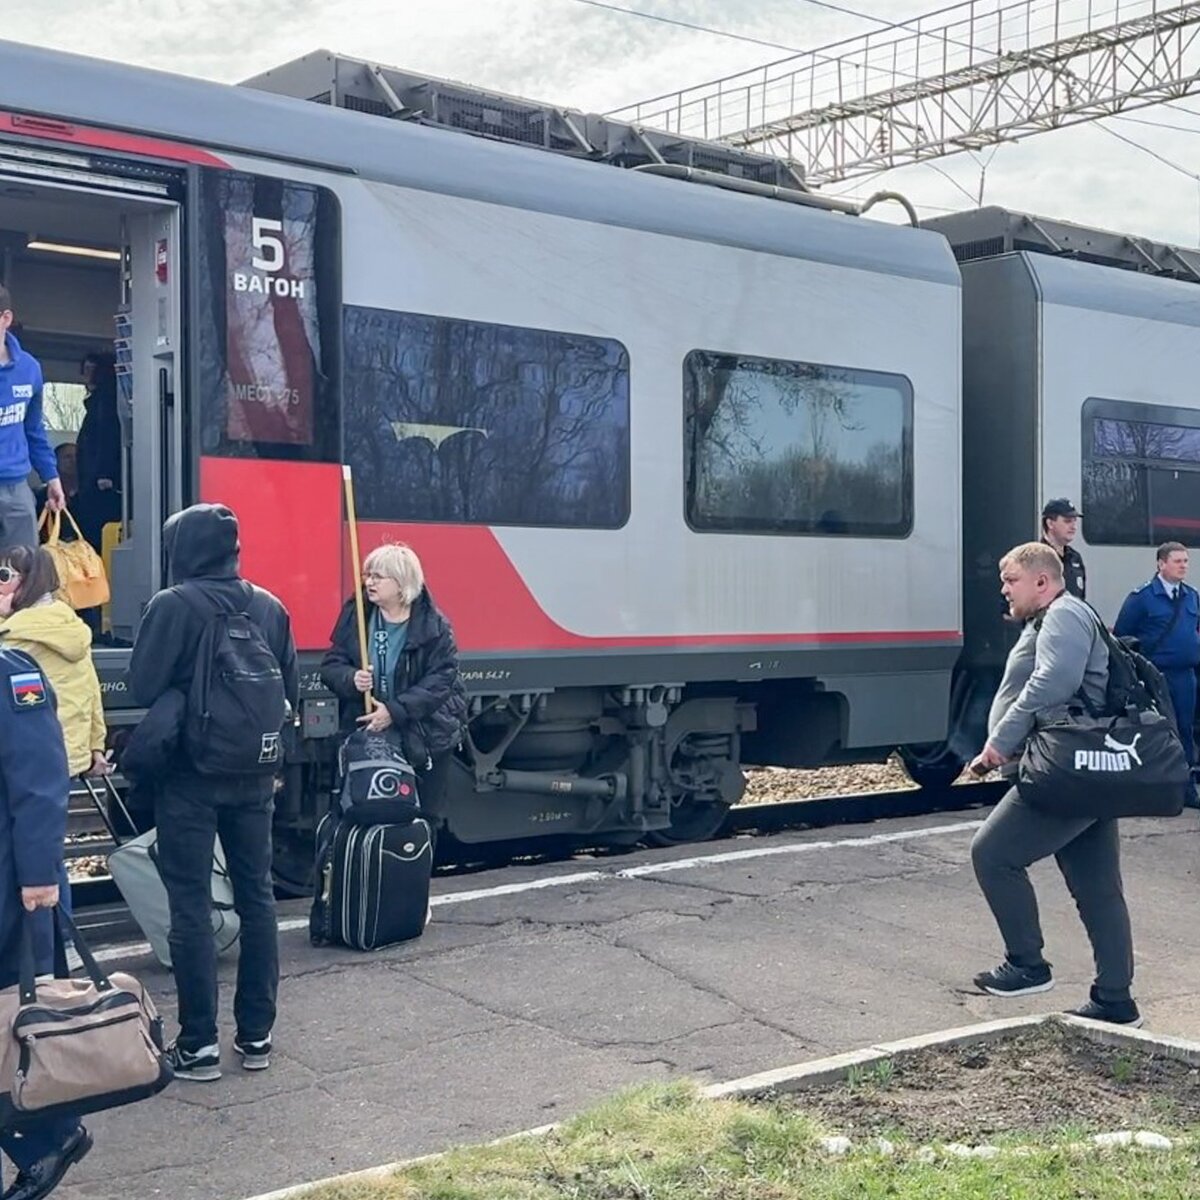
[1074,572]
[98,445]
[33,803]
[202,547]
[151,749]
[1166,629]
[428,704]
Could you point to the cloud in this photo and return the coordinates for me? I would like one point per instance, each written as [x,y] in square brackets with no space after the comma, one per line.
[584,57]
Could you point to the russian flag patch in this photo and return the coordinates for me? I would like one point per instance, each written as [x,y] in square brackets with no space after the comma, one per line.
[28,689]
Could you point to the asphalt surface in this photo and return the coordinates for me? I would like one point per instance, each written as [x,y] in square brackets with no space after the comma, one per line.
[520,1008]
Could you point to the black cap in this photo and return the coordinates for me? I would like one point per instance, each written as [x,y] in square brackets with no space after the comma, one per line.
[1062,507]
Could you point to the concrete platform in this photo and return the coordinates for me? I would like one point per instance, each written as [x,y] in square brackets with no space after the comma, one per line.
[519,1007]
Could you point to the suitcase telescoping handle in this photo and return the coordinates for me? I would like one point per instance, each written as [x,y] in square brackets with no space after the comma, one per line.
[89,786]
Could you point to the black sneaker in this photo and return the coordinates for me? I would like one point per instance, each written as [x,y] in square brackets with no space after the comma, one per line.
[200,1066]
[256,1056]
[46,1174]
[1010,980]
[1114,1012]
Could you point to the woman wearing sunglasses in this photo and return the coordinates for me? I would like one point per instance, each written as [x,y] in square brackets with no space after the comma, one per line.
[48,630]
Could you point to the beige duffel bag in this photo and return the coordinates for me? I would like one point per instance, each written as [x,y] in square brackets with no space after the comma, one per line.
[76,1046]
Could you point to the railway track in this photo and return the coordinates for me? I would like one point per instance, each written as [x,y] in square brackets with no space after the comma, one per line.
[105,918]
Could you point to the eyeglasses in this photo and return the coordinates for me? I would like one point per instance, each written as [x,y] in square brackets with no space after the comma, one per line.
[369,575]
[8,575]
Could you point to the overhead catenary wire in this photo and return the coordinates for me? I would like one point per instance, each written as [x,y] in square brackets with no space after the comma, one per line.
[692,25]
[1153,153]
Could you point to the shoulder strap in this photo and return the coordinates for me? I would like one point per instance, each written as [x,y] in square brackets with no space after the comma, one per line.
[209,606]
[1101,631]
[1176,609]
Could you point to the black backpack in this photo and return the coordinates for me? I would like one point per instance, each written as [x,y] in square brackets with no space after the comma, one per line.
[379,786]
[1135,684]
[236,705]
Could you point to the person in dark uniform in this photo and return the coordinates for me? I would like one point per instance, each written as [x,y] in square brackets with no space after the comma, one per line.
[1060,524]
[99,450]
[1164,616]
[33,822]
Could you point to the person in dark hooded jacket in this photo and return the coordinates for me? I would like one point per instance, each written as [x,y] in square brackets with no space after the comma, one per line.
[202,547]
[412,672]
[98,499]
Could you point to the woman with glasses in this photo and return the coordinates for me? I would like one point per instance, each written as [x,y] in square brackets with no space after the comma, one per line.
[32,619]
[411,672]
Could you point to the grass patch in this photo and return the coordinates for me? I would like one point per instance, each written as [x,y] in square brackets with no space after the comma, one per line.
[665,1142]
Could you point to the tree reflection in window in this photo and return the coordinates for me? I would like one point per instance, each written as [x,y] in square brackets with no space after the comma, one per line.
[1141,473]
[789,447]
[463,421]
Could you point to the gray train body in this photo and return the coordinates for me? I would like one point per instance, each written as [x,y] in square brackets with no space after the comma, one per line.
[770,533]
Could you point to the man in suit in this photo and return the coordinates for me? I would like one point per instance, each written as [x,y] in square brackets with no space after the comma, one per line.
[1164,616]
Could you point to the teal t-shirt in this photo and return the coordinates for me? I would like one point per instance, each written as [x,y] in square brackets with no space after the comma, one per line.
[387,642]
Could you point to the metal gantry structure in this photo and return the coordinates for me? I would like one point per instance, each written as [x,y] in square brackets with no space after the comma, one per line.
[961,78]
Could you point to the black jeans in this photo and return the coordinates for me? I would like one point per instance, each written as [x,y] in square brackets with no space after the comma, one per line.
[191,811]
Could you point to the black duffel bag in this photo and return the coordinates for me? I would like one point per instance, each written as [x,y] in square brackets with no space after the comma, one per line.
[1124,760]
[1100,767]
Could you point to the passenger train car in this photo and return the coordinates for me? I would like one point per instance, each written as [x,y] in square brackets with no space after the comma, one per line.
[687,465]
[1080,352]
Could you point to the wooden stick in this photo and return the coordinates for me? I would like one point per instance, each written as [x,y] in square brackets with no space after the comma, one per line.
[360,607]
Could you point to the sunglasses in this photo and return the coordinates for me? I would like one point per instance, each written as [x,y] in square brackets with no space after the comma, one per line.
[8,575]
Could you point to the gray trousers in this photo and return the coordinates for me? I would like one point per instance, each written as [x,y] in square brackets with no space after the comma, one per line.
[18,516]
[1088,854]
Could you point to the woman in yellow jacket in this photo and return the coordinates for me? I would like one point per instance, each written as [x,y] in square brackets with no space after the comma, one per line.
[34,620]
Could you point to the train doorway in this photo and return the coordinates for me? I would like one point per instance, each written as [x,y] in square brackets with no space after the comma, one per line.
[93,263]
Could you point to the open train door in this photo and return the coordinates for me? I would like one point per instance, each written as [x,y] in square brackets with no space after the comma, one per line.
[150,407]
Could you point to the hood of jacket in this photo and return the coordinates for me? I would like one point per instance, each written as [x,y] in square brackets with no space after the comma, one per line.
[54,626]
[202,543]
[15,350]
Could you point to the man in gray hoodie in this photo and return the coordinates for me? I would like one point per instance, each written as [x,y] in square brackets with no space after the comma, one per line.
[1058,657]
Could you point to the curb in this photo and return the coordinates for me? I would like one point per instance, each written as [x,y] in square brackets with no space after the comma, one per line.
[829,1070]
[822,1071]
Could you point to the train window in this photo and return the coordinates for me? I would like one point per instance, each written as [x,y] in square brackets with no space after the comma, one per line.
[269,318]
[1141,473]
[450,420]
[789,447]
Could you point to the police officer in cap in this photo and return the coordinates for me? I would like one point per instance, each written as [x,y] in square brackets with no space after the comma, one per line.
[1060,524]
[33,822]
[1164,616]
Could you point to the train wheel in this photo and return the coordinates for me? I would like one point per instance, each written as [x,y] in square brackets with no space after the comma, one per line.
[933,766]
[691,821]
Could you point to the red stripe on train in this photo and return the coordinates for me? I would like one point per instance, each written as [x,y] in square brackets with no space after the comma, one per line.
[94,138]
[294,542]
[492,608]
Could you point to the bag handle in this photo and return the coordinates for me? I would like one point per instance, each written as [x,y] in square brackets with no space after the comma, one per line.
[74,523]
[62,924]
[52,524]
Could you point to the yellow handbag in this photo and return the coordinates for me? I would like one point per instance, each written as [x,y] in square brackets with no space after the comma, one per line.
[82,582]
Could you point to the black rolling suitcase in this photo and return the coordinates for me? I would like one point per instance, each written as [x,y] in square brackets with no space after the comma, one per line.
[372,883]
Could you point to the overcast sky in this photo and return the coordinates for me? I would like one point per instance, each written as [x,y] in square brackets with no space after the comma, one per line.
[581,56]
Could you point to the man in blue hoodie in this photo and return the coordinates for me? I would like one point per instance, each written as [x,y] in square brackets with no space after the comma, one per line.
[23,441]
